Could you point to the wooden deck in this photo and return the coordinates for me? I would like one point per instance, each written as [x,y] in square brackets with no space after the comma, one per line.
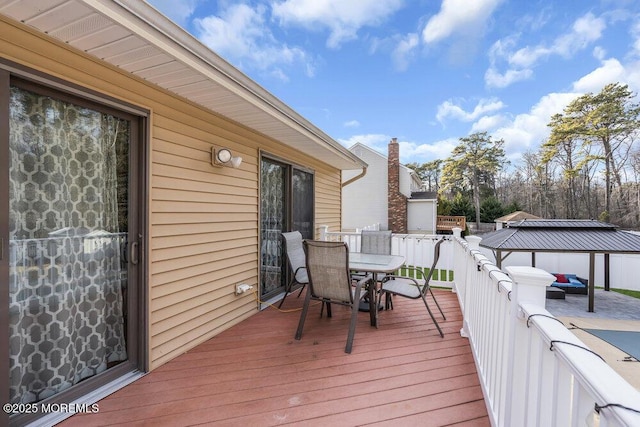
[256,374]
[446,223]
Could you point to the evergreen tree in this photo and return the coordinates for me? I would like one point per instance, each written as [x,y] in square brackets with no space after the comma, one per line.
[473,165]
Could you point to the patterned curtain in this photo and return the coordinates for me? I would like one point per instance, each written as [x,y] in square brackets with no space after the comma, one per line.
[67,225]
[272,210]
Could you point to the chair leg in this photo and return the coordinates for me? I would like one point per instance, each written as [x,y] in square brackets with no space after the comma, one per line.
[437,305]
[353,322]
[322,304]
[424,299]
[303,315]
[301,289]
[287,289]
[388,301]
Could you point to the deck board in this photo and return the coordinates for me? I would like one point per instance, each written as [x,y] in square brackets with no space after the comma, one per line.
[256,374]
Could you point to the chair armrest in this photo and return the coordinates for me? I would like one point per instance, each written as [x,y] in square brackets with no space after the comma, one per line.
[409,279]
[295,273]
[364,280]
[419,273]
[360,285]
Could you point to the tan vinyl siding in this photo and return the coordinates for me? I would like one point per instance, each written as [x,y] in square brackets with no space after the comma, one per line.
[328,199]
[203,220]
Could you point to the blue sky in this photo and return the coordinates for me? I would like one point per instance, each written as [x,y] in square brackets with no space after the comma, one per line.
[425,71]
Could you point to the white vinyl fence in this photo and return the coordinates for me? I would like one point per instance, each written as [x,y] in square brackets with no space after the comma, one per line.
[533,370]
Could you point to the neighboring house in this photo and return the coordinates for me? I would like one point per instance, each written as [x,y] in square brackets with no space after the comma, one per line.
[389,194]
[122,235]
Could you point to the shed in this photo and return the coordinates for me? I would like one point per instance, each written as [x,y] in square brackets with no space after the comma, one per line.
[422,211]
[513,217]
[563,235]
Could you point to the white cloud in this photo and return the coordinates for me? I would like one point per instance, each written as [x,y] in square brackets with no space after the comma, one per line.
[404,50]
[179,11]
[458,17]
[409,151]
[488,123]
[241,35]
[352,124]
[414,152]
[610,71]
[599,53]
[342,18]
[493,78]
[528,130]
[448,109]
[635,35]
[584,31]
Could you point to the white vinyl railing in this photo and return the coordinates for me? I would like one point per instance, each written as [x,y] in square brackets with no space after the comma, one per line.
[533,370]
[416,248]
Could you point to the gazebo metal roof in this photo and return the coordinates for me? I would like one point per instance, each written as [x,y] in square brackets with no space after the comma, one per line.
[563,235]
[555,235]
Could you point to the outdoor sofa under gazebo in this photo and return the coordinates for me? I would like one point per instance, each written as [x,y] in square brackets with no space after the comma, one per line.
[563,235]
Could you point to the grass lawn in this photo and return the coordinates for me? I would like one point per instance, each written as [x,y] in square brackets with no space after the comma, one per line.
[635,294]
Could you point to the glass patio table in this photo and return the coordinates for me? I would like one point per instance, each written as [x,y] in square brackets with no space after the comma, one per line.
[374,264]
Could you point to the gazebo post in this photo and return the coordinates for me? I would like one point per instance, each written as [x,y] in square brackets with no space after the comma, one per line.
[606,272]
[592,279]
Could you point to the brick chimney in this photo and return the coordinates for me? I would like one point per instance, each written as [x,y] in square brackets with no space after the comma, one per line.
[397,201]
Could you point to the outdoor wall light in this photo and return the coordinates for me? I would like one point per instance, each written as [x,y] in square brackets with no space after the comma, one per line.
[223,157]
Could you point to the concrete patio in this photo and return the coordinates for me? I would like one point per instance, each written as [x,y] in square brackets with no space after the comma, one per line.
[613,311]
[608,305]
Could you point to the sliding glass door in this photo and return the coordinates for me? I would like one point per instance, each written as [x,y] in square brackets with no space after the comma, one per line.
[286,204]
[72,241]
[302,206]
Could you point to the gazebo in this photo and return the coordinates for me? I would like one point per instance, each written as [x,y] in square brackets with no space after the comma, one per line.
[563,235]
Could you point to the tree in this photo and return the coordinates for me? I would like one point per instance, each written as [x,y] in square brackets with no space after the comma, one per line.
[432,172]
[444,206]
[490,209]
[429,173]
[609,121]
[461,206]
[511,207]
[474,164]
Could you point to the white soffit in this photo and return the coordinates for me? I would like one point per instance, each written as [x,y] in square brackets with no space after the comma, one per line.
[135,37]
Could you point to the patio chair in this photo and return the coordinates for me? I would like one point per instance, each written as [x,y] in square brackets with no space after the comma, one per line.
[330,282]
[414,288]
[295,255]
[374,242]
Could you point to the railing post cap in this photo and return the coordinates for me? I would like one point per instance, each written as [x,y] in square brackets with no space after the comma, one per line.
[529,275]
[457,231]
[473,241]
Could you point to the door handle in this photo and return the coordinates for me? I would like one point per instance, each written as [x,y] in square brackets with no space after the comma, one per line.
[133,253]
